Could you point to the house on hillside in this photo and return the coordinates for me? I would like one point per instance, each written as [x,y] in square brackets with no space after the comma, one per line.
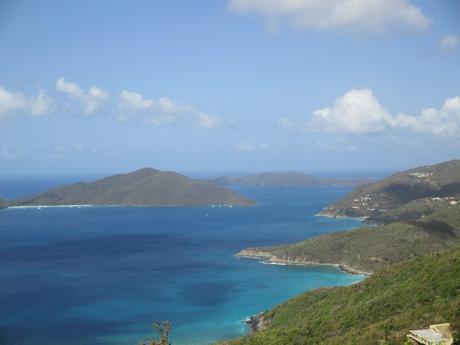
[439,334]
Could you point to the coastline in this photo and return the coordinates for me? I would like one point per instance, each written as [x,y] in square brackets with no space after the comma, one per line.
[109,205]
[268,258]
[39,207]
[340,216]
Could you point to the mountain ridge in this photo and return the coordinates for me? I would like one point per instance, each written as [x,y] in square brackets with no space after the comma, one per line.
[285,179]
[376,199]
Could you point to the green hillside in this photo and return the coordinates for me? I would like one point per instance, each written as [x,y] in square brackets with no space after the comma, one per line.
[374,200]
[416,209]
[370,249]
[378,310]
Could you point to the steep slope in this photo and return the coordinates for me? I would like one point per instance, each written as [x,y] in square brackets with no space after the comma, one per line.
[285,179]
[369,249]
[375,199]
[144,187]
[379,310]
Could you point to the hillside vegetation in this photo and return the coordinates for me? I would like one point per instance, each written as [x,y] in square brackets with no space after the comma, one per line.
[379,310]
[374,200]
[144,187]
[370,249]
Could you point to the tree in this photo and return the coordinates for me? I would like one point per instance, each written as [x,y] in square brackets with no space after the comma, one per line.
[161,330]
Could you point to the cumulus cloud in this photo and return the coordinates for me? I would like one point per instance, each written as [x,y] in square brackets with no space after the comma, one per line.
[91,100]
[13,103]
[251,146]
[442,121]
[128,105]
[359,112]
[10,103]
[449,43]
[162,111]
[134,101]
[351,15]
[40,104]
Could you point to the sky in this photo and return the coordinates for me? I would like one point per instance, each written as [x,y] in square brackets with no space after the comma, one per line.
[228,85]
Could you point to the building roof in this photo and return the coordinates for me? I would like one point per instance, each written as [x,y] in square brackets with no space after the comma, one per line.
[429,335]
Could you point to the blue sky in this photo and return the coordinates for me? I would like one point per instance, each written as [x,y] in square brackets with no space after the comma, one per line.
[228,85]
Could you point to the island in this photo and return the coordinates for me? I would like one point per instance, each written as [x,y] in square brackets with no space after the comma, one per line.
[143,187]
[286,179]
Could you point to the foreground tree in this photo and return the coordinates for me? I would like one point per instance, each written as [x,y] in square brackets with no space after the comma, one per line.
[161,330]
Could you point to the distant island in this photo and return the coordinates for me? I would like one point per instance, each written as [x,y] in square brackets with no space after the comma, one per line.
[144,187]
[286,179]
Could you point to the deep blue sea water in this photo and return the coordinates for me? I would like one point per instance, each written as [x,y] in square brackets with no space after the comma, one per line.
[102,275]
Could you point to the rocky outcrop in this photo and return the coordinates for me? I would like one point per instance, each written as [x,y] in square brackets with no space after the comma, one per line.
[257,322]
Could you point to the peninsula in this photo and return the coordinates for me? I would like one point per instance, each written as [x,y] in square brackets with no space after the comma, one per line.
[410,225]
[144,187]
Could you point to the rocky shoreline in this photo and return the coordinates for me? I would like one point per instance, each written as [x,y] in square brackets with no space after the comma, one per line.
[257,322]
[267,257]
[336,215]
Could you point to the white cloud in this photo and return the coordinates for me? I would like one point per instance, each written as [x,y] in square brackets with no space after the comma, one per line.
[206,120]
[95,98]
[162,111]
[133,101]
[41,104]
[91,100]
[10,103]
[128,105]
[251,146]
[444,121]
[351,15]
[449,43]
[13,103]
[359,112]
[71,89]
[286,123]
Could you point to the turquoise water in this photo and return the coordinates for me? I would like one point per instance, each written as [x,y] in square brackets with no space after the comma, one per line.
[101,275]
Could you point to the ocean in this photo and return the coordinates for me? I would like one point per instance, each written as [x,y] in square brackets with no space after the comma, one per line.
[102,275]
